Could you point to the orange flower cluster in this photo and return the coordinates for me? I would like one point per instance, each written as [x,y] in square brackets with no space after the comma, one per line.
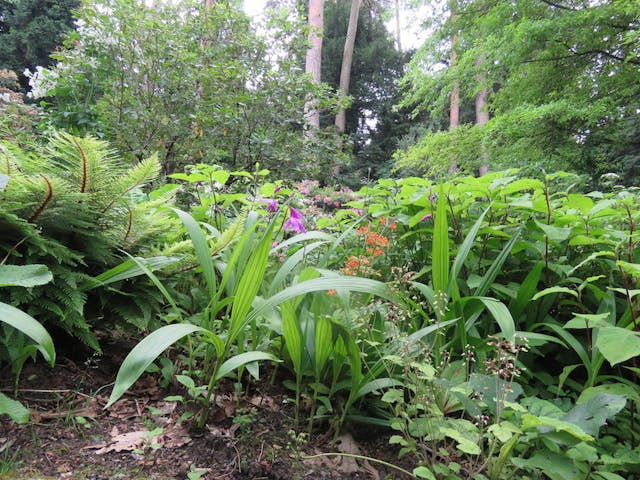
[360,265]
[376,243]
[387,222]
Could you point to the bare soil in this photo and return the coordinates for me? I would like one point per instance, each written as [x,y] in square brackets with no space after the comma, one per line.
[145,437]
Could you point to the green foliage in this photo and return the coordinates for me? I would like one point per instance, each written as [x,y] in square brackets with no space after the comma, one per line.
[373,124]
[559,94]
[195,84]
[70,205]
[19,323]
[30,31]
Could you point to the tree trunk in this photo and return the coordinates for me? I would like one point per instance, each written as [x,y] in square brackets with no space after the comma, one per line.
[454,103]
[347,59]
[398,42]
[314,62]
[482,114]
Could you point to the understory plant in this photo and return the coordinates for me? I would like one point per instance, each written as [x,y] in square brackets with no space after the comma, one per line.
[230,327]
[15,349]
[69,204]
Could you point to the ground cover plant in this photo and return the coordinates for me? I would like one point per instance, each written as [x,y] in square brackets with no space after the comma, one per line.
[189,289]
[489,322]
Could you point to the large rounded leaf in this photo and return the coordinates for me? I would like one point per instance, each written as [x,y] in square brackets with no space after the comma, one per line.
[24,275]
[145,353]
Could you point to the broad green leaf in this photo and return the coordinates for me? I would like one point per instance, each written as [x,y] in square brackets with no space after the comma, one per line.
[600,474]
[594,413]
[585,320]
[156,281]
[573,342]
[16,411]
[201,248]
[531,421]
[618,344]
[31,328]
[241,359]
[620,389]
[423,332]
[503,431]
[496,266]
[424,472]
[144,353]
[555,234]
[632,269]
[440,246]
[130,269]
[465,248]
[323,344]
[552,290]
[24,275]
[248,286]
[291,263]
[554,466]
[583,452]
[500,313]
[378,384]
[354,284]
[292,335]
[464,444]
[526,291]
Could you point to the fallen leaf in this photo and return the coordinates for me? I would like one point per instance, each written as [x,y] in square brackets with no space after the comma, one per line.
[347,444]
[123,442]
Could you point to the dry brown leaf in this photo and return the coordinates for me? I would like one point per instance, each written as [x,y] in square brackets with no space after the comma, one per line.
[174,436]
[123,442]
[347,444]
[264,402]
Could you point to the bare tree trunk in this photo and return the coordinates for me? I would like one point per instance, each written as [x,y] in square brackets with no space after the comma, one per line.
[398,42]
[314,62]
[347,59]
[482,114]
[454,103]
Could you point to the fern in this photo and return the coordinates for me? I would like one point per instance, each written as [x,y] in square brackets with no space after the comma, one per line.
[71,205]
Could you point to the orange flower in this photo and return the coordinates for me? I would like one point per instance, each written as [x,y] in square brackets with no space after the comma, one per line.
[331,292]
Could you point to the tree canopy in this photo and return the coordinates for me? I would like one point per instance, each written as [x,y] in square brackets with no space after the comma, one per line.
[564,80]
[30,30]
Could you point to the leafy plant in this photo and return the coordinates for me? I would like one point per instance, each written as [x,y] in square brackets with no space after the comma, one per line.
[15,323]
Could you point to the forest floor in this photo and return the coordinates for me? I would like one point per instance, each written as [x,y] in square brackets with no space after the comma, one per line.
[145,437]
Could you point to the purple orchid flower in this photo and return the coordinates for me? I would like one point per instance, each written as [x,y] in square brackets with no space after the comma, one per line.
[295,222]
[273,206]
[426,217]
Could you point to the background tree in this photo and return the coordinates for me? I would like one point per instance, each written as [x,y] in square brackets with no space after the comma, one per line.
[30,30]
[144,78]
[347,59]
[313,63]
[562,81]
[373,124]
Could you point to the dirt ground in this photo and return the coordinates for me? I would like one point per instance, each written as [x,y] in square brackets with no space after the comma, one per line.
[145,437]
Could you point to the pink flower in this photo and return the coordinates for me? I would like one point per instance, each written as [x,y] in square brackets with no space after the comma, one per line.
[295,222]
[273,206]
[426,217]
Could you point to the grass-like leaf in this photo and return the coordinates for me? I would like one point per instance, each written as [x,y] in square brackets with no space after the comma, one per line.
[144,353]
[237,361]
[31,328]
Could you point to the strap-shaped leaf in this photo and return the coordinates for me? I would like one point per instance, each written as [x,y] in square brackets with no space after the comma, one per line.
[145,352]
[31,328]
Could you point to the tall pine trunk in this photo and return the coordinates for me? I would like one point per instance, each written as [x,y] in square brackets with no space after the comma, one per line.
[482,114]
[313,63]
[347,60]
[454,102]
